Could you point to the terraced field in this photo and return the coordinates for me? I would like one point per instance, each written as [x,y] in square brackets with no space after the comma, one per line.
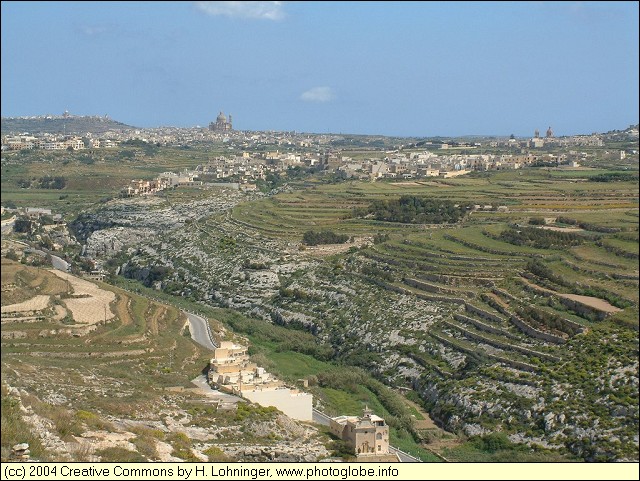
[498,324]
[483,328]
[519,310]
[122,391]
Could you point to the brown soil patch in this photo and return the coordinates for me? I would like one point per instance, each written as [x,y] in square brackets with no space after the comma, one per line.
[594,302]
[93,306]
[122,309]
[441,445]
[561,229]
[418,183]
[439,440]
[427,422]
[331,249]
[37,303]
[498,300]
[159,313]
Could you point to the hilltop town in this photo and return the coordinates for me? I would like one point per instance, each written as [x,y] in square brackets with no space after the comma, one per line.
[255,156]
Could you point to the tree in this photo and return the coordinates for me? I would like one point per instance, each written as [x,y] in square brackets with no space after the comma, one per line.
[312,238]
[11,254]
[22,225]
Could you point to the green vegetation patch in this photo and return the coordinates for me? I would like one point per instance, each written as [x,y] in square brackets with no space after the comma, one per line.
[540,238]
[16,431]
[410,209]
[497,448]
[312,238]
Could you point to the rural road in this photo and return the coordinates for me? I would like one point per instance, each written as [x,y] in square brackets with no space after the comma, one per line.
[7,225]
[60,264]
[320,418]
[201,383]
[57,262]
[404,457]
[198,326]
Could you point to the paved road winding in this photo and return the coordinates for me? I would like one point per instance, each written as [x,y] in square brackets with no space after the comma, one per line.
[199,328]
[60,264]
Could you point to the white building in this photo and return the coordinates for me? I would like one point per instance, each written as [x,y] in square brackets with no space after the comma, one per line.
[231,370]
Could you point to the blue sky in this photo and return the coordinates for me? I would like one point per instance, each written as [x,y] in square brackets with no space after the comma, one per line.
[391,68]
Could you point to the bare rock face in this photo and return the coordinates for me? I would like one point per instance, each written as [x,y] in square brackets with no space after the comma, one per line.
[168,436]
[280,452]
[206,252]
[112,240]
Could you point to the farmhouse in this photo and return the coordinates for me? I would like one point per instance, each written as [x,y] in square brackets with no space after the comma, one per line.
[231,370]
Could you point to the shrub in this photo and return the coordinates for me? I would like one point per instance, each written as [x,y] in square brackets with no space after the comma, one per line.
[11,254]
[493,442]
[146,446]
[66,424]
[182,447]
[119,455]
[216,455]
[312,238]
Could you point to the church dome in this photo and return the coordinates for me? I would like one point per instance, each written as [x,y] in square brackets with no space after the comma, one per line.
[221,117]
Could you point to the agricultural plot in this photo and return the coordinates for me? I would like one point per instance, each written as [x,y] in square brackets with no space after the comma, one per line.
[506,322]
[123,391]
[38,303]
[88,304]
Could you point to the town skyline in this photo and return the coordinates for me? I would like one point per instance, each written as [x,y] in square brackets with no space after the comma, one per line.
[401,69]
[228,128]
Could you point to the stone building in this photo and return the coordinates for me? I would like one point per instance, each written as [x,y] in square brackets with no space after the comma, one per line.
[221,124]
[231,370]
[367,435]
[231,367]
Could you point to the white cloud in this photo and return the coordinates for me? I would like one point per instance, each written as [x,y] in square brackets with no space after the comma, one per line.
[91,30]
[318,94]
[259,10]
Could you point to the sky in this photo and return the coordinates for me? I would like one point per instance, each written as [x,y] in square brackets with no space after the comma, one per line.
[406,69]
